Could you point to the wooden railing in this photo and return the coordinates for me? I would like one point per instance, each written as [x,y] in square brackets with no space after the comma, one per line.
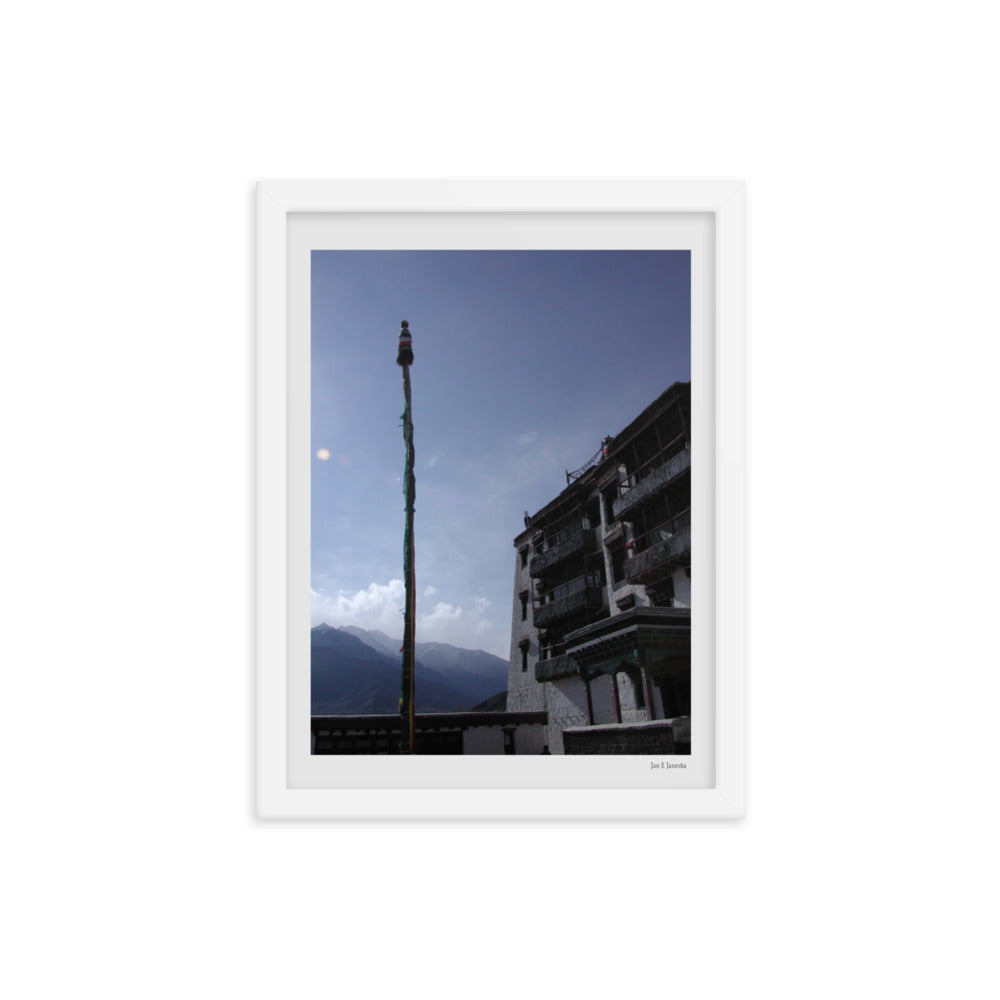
[652,483]
[579,539]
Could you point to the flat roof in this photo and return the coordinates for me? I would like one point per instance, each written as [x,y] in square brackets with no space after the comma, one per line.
[427,721]
[585,482]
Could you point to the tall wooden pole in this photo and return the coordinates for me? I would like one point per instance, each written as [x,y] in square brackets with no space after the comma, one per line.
[406,733]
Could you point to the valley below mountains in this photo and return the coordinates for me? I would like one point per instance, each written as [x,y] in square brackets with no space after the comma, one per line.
[356,671]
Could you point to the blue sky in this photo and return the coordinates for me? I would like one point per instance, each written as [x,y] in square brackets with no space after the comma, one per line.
[523,362]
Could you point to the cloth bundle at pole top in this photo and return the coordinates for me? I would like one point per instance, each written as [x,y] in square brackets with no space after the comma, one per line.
[405,355]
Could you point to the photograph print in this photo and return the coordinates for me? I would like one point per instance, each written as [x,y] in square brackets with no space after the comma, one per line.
[501,502]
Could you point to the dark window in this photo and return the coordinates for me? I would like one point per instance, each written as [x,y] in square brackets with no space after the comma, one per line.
[508,741]
[524,556]
[608,495]
[625,602]
[675,689]
[524,605]
[524,655]
[618,563]
[668,591]
[439,743]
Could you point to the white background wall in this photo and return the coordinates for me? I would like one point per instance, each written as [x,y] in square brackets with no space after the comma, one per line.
[866,134]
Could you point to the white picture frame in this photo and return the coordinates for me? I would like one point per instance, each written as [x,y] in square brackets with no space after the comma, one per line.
[294,217]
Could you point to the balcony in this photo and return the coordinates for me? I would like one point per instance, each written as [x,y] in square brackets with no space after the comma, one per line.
[656,481]
[658,558]
[579,539]
[556,667]
[585,599]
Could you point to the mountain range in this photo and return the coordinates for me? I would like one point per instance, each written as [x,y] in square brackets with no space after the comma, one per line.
[356,671]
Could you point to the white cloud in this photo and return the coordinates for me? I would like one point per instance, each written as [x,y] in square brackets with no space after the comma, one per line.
[441,614]
[380,606]
[527,438]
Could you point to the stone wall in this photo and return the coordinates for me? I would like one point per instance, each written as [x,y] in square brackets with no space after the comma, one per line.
[646,739]
[566,702]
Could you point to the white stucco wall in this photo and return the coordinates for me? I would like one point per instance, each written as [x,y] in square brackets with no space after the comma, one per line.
[602,697]
[528,739]
[566,701]
[483,740]
[630,710]
[682,588]
[524,693]
[623,590]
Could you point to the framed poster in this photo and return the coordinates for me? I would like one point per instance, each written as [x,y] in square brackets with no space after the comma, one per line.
[500,499]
